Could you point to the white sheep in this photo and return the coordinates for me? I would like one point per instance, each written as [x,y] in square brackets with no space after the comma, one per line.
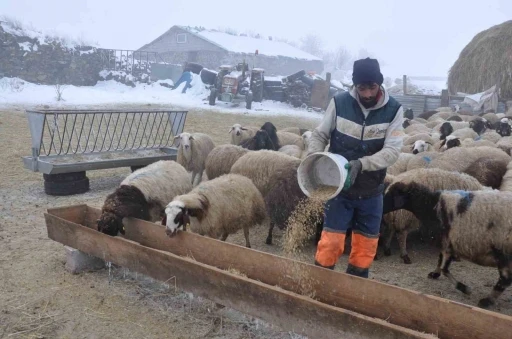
[490,135]
[465,133]
[416,129]
[241,133]
[143,195]
[505,144]
[400,164]
[421,136]
[293,150]
[192,153]
[294,130]
[506,183]
[221,158]
[402,222]
[287,138]
[263,167]
[422,160]
[474,225]
[218,208]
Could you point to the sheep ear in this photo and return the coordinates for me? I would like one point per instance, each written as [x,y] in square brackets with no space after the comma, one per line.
[243,128]
[191,137]
[231,129]
[178,136]
[428,142]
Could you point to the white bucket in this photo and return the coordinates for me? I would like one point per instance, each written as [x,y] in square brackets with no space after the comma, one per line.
[322,168]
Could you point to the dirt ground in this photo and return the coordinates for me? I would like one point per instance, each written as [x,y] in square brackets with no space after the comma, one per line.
[40,299]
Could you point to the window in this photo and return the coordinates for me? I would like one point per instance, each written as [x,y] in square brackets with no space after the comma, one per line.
[181,38]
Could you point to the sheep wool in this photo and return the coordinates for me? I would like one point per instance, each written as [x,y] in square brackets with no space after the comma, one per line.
[506,183]
[241,133]
[491,136]
[264,168]
[218,208]
[400,165]
[294,130]
[287,138]
[220,160]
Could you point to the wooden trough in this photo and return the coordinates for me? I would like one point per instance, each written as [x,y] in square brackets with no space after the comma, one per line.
[295,296]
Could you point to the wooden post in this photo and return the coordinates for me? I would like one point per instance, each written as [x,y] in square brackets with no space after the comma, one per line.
[404,83]
[445,99]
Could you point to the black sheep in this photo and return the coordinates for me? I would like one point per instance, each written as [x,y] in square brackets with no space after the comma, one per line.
[409,114]
[272,133]
[259,141]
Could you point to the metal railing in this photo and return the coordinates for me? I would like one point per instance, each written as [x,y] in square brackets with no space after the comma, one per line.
[68,132]
[129,61]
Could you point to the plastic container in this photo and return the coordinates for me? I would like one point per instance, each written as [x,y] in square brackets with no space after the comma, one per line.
[322,168]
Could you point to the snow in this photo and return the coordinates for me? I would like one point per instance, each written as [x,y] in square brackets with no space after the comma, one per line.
[248,45]
[429,87]
[111,93]
[25,46]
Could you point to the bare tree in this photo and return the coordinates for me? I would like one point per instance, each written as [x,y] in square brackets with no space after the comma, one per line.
[364,53]
[58,90]
[343,58]
[312,44]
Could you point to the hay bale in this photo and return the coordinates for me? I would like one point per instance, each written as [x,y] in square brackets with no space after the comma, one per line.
[484,62]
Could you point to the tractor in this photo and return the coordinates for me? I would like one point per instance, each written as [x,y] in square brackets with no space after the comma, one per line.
[233,85]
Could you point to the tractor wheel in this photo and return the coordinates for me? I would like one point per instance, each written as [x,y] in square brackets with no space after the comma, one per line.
[248,100]
[213,97]
[66,183]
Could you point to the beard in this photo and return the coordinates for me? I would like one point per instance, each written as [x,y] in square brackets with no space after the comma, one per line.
[368,102]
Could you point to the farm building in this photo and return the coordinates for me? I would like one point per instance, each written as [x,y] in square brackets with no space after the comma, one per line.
[485,62]
[212,49]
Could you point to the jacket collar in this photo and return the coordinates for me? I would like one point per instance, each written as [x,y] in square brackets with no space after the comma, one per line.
[382,101]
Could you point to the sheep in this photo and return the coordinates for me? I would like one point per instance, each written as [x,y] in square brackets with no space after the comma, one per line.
[505,144]
[293,150]
[433,124]
[419,120]
[261,166]
[416,128]
[218,208]
[287,138]
[421,146]
[450,142]
[422,160]
[192,153]
[306,136]
[474,225]
[241,133]
[491,117]
[261,140]
[426,115]
[488,171]
[402,221]
[294,130]
[478,125]
[506,182]
[442,115]
[221,158]
[421,136]
[478,143]
[400,165]
[503,128]
[465,133]
[143,194]
[458,159]
[447,128]
[406,123]
[454,118]
[490,135]
[272,133]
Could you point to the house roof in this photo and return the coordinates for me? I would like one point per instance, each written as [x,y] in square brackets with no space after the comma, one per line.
[248,45]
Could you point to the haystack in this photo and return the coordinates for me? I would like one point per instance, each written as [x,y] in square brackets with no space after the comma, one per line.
[486,61]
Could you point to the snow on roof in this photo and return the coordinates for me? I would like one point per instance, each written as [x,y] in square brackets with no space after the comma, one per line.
[248,45]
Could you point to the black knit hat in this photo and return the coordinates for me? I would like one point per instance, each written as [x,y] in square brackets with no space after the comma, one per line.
[367,71]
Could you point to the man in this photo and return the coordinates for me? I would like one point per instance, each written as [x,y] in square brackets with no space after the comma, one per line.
[364,126]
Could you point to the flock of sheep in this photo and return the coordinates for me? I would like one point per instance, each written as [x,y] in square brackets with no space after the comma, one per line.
[454,178]
[456,163]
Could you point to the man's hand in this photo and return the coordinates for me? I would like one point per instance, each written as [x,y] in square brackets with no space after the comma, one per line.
[353,167]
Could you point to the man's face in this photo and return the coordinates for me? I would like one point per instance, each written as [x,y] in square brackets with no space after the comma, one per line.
[368,94]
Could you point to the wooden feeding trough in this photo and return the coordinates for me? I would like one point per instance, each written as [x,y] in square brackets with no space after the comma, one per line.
[295,296]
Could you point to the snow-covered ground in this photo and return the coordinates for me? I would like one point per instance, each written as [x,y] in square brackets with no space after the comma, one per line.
[17,93]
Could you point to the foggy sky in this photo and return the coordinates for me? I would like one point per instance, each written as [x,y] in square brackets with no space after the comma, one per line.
[407,37]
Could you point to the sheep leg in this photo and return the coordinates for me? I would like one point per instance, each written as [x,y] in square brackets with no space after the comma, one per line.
[269,237]
[246,235]
[505,280]
[387,242]
[224,236]
[443,265]
[193,177]
[402,242]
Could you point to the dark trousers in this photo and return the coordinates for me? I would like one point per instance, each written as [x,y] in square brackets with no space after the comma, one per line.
[364,217]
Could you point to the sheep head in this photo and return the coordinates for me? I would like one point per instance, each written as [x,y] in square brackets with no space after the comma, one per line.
[450,142]
[420,146]
[109,223]
[445,130]
[263,141]
[504,128]
[186,143]
[479,125]
[237,129]
[305,138]
[176,217]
